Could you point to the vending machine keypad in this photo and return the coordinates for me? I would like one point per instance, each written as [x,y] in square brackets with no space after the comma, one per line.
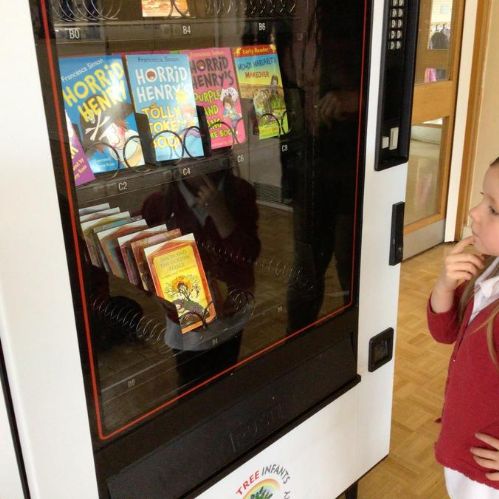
[396,24]
[397,72]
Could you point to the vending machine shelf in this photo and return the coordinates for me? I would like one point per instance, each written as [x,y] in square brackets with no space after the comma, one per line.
[185,30]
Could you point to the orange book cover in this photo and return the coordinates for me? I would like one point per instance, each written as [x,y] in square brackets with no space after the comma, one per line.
[140,259]
[178,275]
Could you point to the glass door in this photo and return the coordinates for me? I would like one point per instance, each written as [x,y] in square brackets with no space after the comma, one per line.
[437,69]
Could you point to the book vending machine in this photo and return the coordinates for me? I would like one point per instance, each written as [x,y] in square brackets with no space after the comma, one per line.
[204,207]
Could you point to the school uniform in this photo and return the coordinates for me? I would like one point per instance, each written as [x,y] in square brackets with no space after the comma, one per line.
[471,403]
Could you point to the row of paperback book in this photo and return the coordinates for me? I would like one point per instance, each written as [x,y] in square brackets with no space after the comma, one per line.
[103,97]
[153,258]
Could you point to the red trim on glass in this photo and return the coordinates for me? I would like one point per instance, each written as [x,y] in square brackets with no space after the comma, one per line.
[64,155]
[69,192]
[359,132]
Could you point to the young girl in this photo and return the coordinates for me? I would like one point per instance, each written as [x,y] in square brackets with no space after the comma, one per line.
[463,309]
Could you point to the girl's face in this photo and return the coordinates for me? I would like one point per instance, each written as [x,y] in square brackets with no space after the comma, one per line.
[485,215]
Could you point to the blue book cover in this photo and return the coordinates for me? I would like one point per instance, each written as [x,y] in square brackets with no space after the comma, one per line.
[162,90]
[97,101]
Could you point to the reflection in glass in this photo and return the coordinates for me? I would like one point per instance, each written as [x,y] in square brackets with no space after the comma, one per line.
[269,201]
[433,56]
[424,173]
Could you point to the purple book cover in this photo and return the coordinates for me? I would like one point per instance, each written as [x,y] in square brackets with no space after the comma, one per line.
[215,88]
[81,169]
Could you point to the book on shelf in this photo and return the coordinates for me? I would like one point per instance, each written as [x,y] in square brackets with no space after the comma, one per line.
[98,214]
[140,259]
[125,244]
[259,77]
[98,104]
[82,172]
[162,90]
[108,240]
[215,88]
[165,8]
[94,234]
[93,209]
[178,276]
[87,229]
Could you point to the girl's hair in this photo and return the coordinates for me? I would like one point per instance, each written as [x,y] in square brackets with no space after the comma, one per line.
[468,293]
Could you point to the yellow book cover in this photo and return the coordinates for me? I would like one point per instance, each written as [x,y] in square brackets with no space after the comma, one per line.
[179,278]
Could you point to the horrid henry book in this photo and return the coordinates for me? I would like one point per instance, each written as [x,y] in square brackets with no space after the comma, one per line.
[81,169]
[178,276]
[162,90]
[98,104]
[259,77]
[215,88]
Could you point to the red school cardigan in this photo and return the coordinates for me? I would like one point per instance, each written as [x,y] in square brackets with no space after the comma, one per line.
[471,403]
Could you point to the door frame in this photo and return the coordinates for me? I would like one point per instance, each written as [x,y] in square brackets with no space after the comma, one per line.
[433,101]
[476,31]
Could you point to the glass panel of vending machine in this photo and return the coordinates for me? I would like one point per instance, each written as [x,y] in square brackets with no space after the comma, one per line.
[208,156]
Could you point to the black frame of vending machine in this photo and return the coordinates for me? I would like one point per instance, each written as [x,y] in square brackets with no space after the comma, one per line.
[211,428]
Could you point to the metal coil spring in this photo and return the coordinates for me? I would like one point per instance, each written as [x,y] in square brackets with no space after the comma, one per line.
[133,323]
[283,272]
[88,10]
[84,10]
[151,329]
[178,143]
[249,8]
[178,147]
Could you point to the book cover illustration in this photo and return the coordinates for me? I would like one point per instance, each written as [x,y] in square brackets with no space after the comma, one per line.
[125,244]
[81,169]
[97,102]
[108,240]
[140,259]
[165,8]
[87,231]
[215,88]
[93,209]
[162,90]
[178,275]
[259,77]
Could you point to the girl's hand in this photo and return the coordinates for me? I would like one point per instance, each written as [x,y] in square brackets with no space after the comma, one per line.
[488,458]
[208,196]
[459,266]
